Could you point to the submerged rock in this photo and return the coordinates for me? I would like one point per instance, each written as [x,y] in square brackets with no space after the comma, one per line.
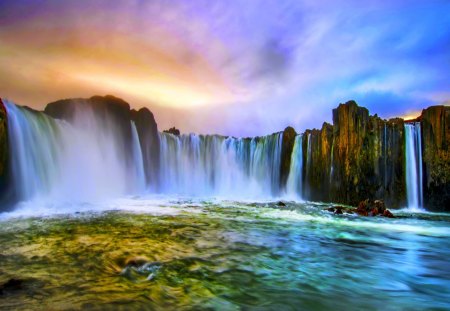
[373,208]
[11,285]
[338,210]
[365,208]
[281,203]
[388,214]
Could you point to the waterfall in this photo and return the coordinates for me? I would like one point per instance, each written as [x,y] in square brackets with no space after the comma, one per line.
[414,177]
[206,165]
[138,159]
[294,187]
[76,161]
[33,149]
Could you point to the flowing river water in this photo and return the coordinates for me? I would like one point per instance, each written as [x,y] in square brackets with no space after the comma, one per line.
[176,254]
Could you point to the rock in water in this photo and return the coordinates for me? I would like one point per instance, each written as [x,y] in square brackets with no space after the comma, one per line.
[11,285]
[388,214]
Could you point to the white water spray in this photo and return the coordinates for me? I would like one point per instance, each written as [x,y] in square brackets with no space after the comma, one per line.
[294,187]
[199,165]
[78,161]
[414,175]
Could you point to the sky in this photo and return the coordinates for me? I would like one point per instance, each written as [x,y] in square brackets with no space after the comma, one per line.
[241,67]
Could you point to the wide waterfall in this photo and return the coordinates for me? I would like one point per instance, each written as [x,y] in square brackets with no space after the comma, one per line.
[223,166]
[294,187]
[87,158]
[76,161]
[34,149]
[414,175]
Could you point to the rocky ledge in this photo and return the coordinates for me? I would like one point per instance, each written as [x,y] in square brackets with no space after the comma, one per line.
[365,208]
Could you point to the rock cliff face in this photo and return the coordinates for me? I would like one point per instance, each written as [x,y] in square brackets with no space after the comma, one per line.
[3,147]
[149,139]
[317,146]
[436,157]
[286,150]
[358,157]
[113,112]
[368,157]
[110,111]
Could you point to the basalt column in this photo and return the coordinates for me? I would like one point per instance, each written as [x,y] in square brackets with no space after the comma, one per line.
[150,145]
[367,157]
[3,148]
[435,122]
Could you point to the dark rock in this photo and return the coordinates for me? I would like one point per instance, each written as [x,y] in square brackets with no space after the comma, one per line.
[280,203]
[363,208]
[374,212]
[149,140]
[359,156]
[380,206]
[317,163]
[435,123]
[387,213]
[106,109]
[338,210]
[286,152]
[11,285]
[173,131]
[368,157]
[136,261]
[3,146]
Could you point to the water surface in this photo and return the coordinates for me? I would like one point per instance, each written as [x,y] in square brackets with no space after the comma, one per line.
[222,255]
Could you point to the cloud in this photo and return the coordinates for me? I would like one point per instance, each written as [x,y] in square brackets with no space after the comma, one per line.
[238,67]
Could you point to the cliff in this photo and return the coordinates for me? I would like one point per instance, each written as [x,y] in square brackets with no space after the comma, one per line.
[149,140]
[107,110]
[113,112]
[360,156]
[3,147]
[286,150]
[435,123]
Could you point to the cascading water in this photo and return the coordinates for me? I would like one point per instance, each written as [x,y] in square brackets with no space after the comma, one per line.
[385,156]
[215,165]
[33,147]
[76,161]
[138,159]
[414,177]
[294,187]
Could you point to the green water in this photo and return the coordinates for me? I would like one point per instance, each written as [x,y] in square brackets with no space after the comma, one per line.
[228,256]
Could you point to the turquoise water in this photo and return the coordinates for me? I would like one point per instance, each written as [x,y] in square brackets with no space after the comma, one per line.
[142,253]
